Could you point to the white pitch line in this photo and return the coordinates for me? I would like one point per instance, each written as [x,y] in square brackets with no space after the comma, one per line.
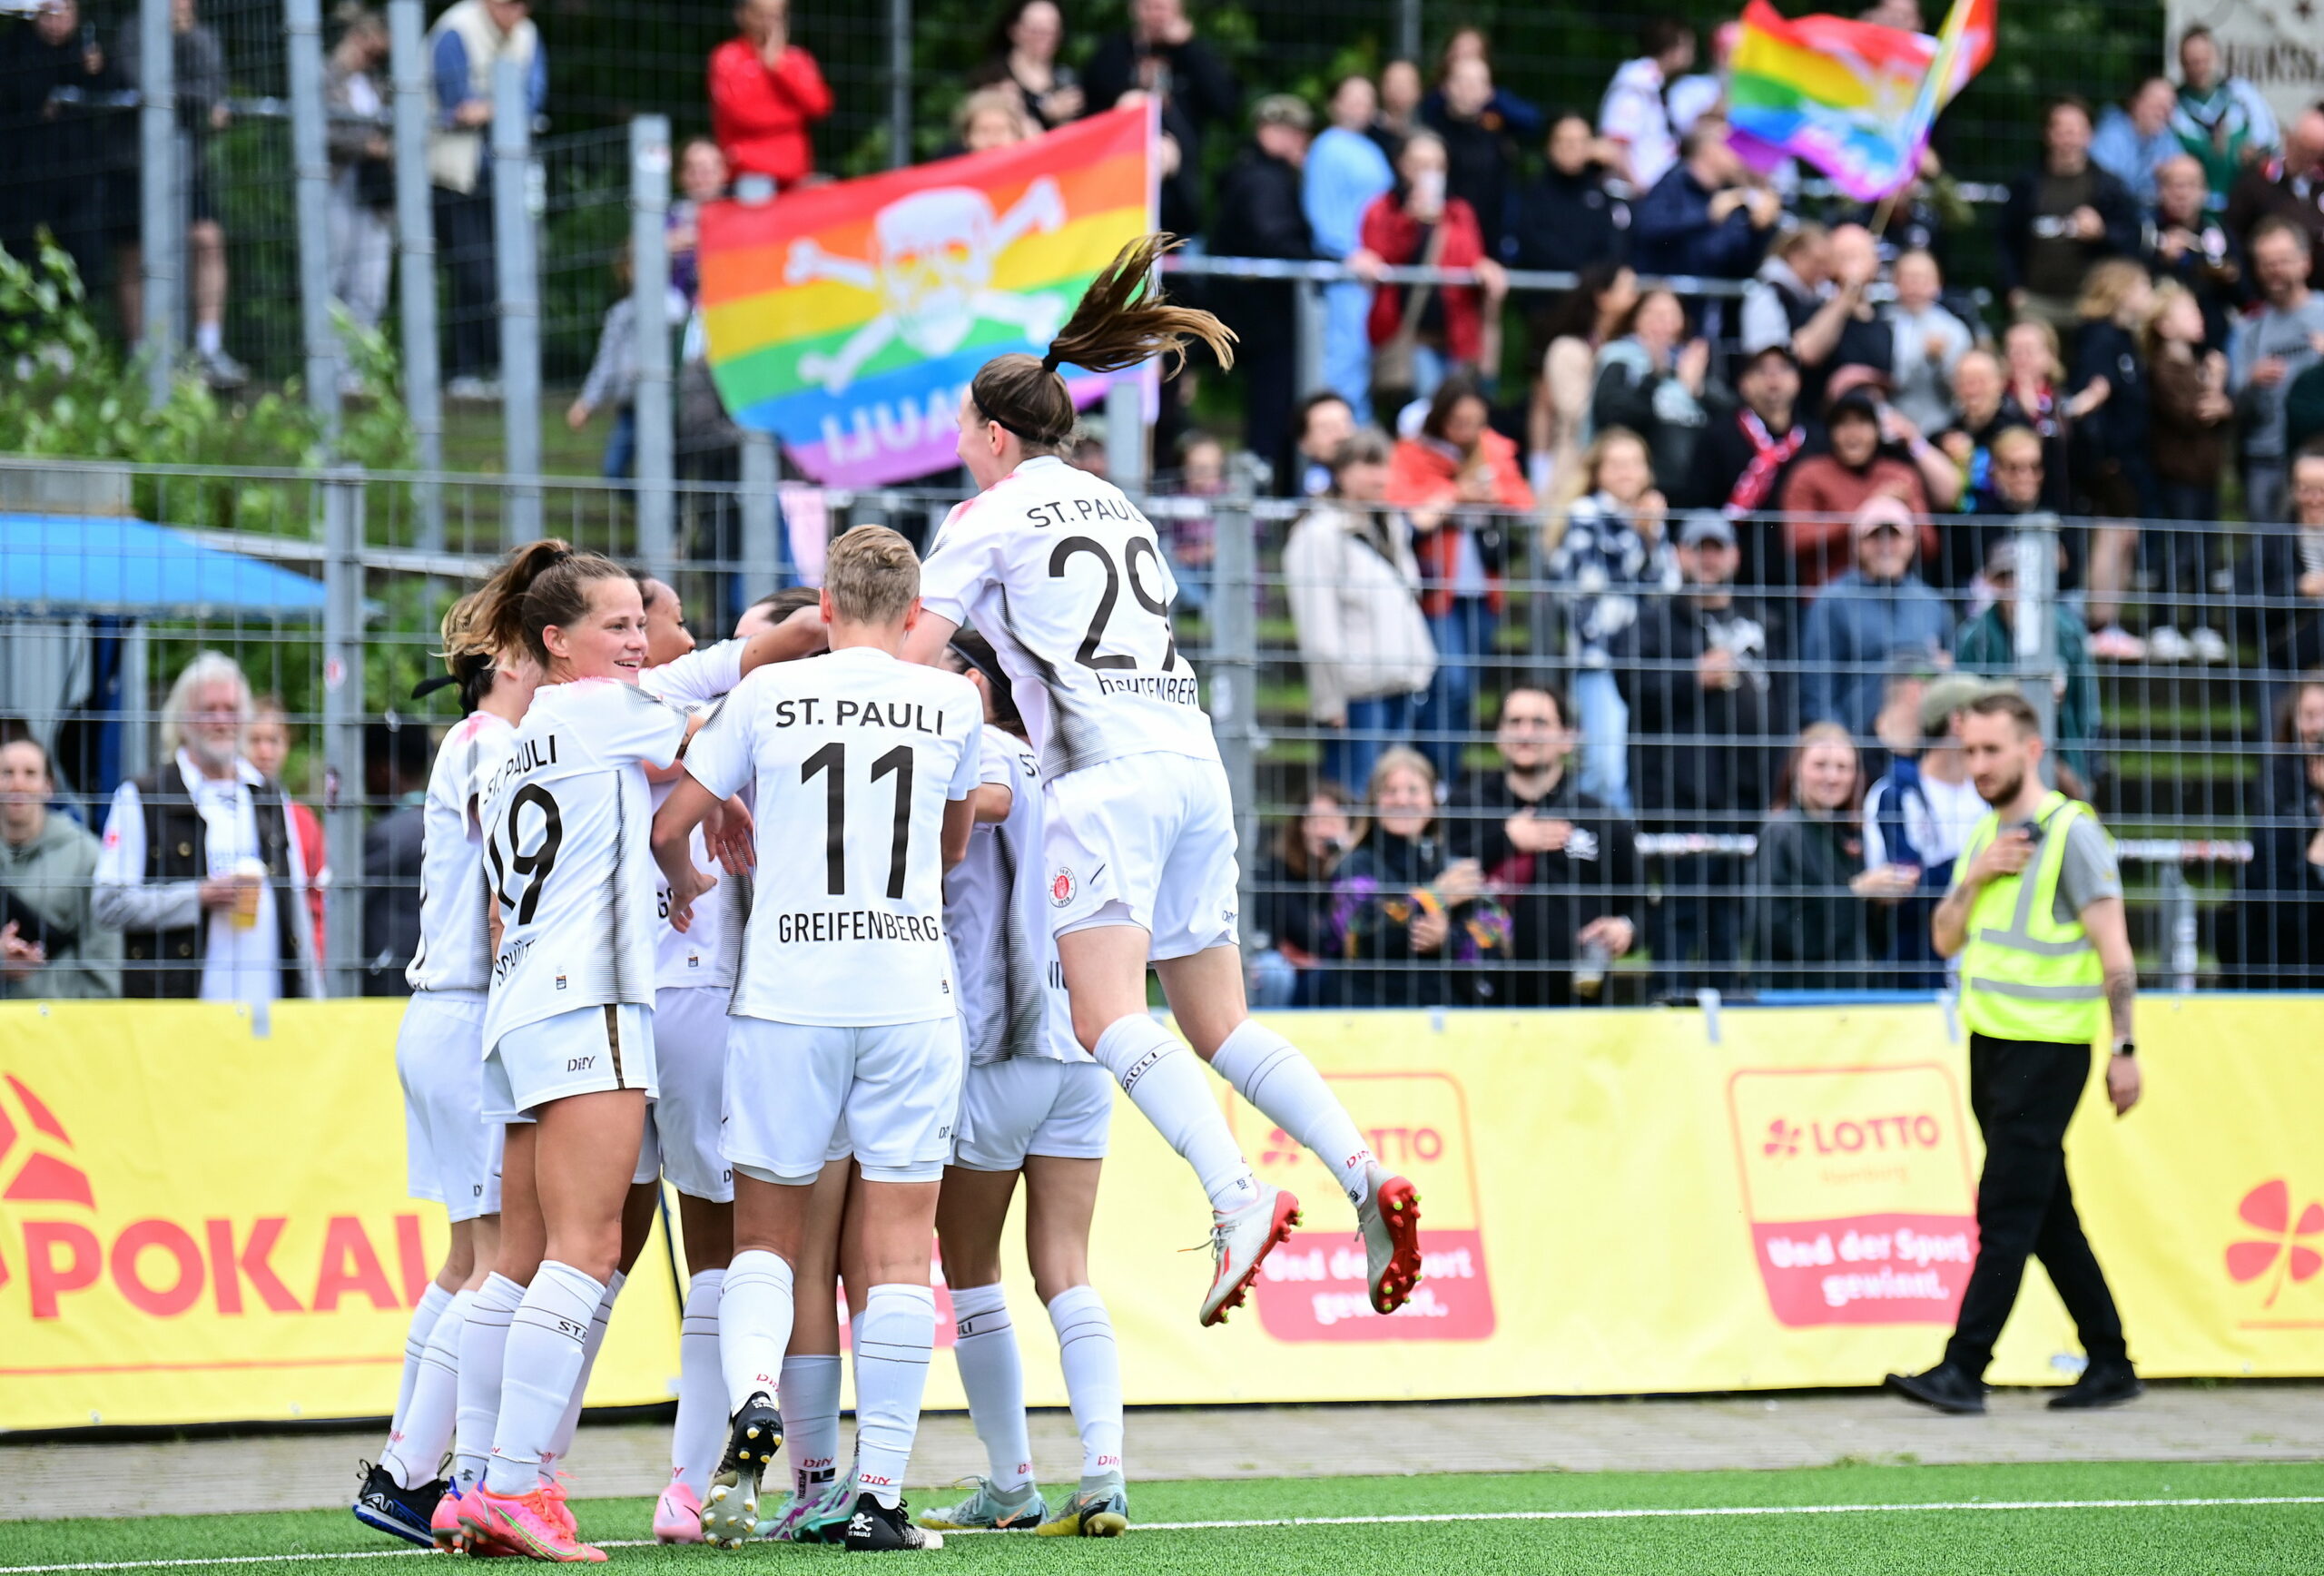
[1610,1515]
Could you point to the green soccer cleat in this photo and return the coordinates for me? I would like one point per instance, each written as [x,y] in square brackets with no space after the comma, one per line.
[1100,1508]
[827,1522]
[990,1509]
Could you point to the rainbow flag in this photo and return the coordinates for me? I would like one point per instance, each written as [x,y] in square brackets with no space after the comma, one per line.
[847,319]
[1854,99]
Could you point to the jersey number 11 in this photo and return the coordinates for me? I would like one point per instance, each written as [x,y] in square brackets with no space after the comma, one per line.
[831,761]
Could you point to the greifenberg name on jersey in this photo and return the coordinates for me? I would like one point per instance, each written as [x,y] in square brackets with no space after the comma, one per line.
[856,925]
[808,711]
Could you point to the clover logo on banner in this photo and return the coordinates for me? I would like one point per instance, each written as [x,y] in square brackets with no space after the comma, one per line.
[1782,1141]
[2268,1207]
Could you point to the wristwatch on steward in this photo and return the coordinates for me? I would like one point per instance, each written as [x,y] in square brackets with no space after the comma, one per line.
[2125,1048]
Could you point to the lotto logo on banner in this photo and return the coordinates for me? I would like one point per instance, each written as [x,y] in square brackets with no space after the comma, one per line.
[2276,1249]
[1857,1182]
[1313,1287]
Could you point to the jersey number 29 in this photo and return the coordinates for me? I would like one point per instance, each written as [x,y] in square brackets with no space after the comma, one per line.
[1088,654]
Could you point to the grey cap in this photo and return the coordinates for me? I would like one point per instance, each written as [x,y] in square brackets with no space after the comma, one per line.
[1705,526]
[1284,108]
[1955,691]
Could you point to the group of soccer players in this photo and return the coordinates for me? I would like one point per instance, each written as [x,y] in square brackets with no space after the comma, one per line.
[839,926]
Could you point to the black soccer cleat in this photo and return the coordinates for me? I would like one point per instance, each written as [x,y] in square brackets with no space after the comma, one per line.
[730,1516]
[874,1529]
[385,1505]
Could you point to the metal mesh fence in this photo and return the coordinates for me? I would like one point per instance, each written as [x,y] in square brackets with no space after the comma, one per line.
[1623,808]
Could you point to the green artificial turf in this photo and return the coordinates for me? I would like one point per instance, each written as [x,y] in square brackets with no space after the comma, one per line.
[1946,1537]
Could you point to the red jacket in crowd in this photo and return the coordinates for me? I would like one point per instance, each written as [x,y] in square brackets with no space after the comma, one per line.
[760,115]
[1425,475]
[1395,237]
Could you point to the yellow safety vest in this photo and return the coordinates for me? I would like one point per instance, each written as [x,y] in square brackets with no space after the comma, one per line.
[2026,974]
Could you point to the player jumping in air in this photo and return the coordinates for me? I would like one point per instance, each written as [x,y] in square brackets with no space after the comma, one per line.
[1063,574]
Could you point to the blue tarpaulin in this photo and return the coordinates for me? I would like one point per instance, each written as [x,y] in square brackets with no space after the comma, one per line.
[75,564]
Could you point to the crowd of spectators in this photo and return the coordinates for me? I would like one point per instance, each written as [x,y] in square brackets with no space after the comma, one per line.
[1773,513]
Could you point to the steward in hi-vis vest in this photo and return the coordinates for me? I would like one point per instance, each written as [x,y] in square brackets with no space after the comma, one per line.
[2035,919]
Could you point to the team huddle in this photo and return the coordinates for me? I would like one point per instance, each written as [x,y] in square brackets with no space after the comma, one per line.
[839,926]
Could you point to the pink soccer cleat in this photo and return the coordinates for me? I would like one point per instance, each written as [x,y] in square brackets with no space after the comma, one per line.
[537,1524]
[677,1515]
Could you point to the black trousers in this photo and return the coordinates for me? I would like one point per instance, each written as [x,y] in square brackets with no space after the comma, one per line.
[2023,1093]
[464,240]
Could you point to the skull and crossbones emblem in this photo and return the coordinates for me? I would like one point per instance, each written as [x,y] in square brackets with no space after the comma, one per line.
[932,266]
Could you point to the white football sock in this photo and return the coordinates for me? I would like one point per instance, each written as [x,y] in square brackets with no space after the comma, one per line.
[483,1344]
[811,1420]
[895,1336]
[1269,1071]
[993,1374]
[560,1444]
[1093,1375]
[424,1319]
[701,1432]
[754,1325]
[542,1365]
[208,338]
[412,1456]
[1163,1080]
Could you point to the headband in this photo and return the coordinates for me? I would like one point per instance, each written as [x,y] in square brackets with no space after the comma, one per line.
[989,667]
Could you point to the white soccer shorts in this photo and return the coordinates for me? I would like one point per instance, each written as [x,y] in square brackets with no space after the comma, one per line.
[452,1153]
[1029,1105]
[1147,841]
[798,1095]
[689,1057]
[582,1052]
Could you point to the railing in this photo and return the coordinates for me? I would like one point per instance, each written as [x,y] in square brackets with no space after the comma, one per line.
[2217,810]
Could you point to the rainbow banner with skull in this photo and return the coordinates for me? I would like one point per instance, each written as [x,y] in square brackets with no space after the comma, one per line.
[846,320]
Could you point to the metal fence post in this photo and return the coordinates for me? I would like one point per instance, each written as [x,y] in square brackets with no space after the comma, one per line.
[302,25]
[520,311]
[649,245]
[762,550]
[899,84]
[2178,927]
[1235,665]
[343,722]
[1408,30]
[1310,315]
[423,394]
[1127,459]
[161,238]
[2035,636]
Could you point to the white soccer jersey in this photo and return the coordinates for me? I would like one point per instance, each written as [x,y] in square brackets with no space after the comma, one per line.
[854,756]
[455,942]
[996,906]
[1063,574]
[566,819]
[703,953]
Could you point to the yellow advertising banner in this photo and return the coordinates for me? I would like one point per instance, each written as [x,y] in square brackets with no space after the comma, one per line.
[202,1222]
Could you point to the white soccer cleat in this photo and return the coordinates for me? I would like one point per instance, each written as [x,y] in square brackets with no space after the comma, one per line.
[1240,1243]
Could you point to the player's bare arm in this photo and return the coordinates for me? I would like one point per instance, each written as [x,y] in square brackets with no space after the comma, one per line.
[688,805]
[929,634]
[800,634]
[993,801]
[959,823]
